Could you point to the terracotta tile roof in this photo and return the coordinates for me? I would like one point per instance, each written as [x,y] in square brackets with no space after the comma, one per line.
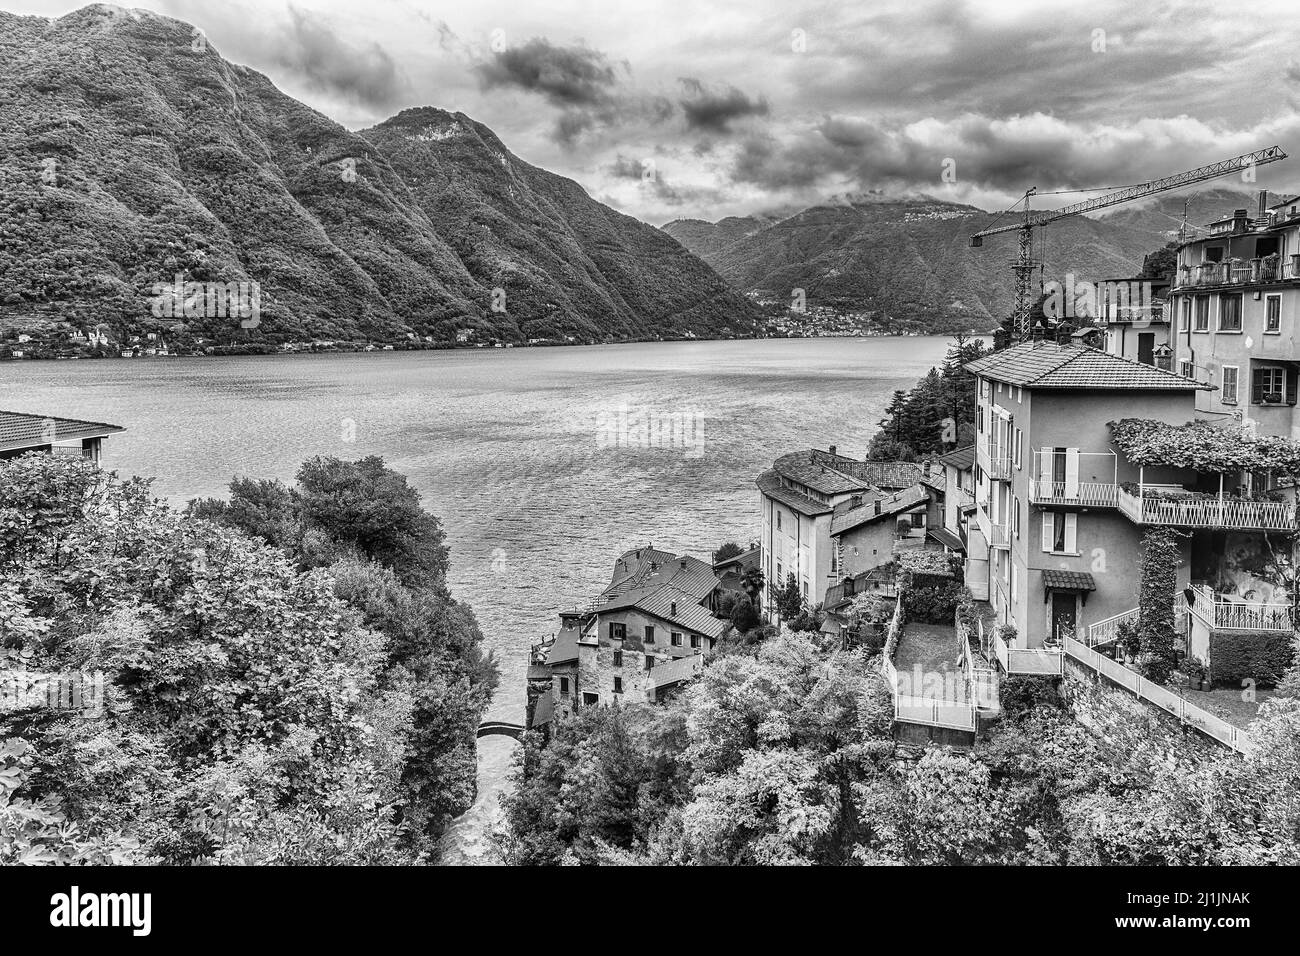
[963,459]
[1068,580]
[22,430]
[769,482]
[839,474]
[658,580]
[677,670]
[847,518]
[1043,364]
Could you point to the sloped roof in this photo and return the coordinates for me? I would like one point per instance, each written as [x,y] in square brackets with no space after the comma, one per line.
[847,518]
[1068,580]
[838,474]
[963,459]
[565,648]
[656,581]
[677,670]
[769,482]
[23,430]
[1043,364]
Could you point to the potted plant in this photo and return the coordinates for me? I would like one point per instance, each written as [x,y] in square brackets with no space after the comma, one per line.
[1272,398]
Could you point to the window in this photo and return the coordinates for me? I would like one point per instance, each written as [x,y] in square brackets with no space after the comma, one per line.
[618,685]
[918,520]
[677,639]
[1187,369]
[1228,392]
[1269,386]
[590,700]
[780,574]
[617,631]
[778,521]
[805,589]
[1202,313]
[695,640]
[649,662]
[564,686]
[835,560]
[1016,453]
[649,633]
[1185,321]
[618,658]
[1060,530]
[1273,314]
[1230,313]
[1015,516]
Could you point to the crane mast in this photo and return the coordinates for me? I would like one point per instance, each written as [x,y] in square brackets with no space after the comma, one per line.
[1023,266]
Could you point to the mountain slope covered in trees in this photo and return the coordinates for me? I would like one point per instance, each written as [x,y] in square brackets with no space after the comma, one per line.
[908,260]
[130,154]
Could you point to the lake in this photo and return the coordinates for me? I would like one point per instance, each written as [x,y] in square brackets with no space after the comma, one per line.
[544,464]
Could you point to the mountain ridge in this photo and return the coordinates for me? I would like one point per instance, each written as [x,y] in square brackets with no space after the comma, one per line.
[130,155]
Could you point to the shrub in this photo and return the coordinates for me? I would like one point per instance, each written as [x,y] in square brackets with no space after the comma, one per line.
[1022,693]
[933,603]
[1237,656]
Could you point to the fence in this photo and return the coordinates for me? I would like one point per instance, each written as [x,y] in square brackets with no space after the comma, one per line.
[917,709]
[1231,616]
[1162,697]
[1025,660]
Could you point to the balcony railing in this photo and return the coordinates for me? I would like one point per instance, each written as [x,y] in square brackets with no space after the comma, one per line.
[1166,506]
[996,465]
[1107,630]
[1220,615]
[1237,272]
[1090,494]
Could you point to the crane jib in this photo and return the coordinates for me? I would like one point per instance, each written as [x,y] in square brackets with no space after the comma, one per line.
[1259,157]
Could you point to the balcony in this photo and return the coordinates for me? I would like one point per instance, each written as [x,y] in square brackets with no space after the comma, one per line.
[1237,272]
[997,535]
[1079,494]
[994,463]
[1176,506]
[1228,613]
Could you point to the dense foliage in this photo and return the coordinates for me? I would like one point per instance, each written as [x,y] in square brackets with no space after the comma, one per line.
[1203,446]
[1262,657]
[783,754]
[255,710]
[936,415]
[130,157]
[1155,633]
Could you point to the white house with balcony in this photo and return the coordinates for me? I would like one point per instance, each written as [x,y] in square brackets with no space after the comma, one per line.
[23,432]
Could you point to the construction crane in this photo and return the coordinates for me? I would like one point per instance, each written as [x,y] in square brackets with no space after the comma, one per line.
[1024,264]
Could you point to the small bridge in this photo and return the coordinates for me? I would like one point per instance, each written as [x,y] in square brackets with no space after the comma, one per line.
[500,728]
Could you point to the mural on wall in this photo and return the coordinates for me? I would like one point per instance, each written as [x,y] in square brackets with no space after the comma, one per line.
[1241,563]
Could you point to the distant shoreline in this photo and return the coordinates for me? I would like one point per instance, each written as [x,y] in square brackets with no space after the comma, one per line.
[252,350]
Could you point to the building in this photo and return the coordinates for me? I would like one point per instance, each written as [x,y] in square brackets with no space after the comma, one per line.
[1052,508]
[1134,314]
[866,530]
[21,432]
[1235,304]
[798,497]
[642,637]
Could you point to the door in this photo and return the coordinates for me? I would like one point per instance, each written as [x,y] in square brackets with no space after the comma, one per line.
[1147,348]
[1063,614]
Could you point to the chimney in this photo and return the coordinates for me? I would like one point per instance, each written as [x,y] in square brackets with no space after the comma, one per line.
[877,506]
[672,612]
[832,449]
[683,564]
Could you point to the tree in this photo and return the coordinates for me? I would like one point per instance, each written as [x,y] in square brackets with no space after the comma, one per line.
[727,550]
[788,599]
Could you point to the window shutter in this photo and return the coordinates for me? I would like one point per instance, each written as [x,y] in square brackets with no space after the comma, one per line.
[1045,471]
[1257,386]
[1072,473]
[1019,444]
[1290,386]
[1071,529]
[1047,531]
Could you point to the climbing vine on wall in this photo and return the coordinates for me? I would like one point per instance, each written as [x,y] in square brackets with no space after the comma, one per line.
[1156,634]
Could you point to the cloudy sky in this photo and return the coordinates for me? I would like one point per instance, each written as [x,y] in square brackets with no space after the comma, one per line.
[707,108]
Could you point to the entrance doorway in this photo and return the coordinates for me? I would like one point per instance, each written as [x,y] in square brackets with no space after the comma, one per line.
[1063,614]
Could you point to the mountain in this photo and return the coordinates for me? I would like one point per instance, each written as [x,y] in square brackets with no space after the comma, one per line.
[909,262]
[129,154]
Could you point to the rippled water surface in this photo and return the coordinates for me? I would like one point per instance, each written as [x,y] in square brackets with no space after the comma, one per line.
[505,446]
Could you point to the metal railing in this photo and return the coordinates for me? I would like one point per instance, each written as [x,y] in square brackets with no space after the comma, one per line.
[1092,494]
[1194,512]
[1236,272]
[1188,713]
[1026,660]
[1233,616]
[995,464]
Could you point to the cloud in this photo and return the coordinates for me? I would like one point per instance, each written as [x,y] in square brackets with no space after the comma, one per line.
[365,72]
[714,110]
[565,76]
